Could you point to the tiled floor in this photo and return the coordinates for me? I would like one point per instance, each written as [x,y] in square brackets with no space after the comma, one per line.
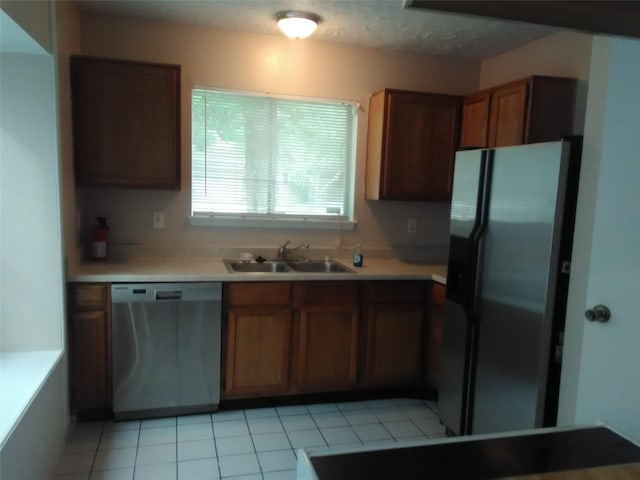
[256,444]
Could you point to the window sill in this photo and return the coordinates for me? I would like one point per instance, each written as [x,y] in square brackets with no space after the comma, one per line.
[23,374]
[252,222]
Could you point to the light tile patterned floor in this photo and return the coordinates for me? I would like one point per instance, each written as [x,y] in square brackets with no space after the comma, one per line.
[255,444]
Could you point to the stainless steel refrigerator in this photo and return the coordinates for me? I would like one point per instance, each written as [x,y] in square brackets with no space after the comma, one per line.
[511,232]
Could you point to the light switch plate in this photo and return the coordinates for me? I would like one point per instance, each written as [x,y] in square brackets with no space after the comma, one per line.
[412,225]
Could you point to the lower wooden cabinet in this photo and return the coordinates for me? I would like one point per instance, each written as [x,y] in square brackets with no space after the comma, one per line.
[258,350]
[289,338]
[328,335]
[394,344]
[259,337]
[90,347]
[285,338]
[328,352]
[395,315]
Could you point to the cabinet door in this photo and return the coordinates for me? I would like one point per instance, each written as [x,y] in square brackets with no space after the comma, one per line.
[394,340]
[328,347]
[258,350]
[90,360]
[411,143]
[421,139]
[434,345]
[508,115]
[126,123]
[475,121]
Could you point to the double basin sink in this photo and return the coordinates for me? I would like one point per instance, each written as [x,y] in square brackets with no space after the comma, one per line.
[286,266]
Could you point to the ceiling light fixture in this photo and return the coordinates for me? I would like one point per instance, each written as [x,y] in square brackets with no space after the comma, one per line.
[296,24]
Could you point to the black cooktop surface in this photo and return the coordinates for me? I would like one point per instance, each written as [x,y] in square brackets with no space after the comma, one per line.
[483,459]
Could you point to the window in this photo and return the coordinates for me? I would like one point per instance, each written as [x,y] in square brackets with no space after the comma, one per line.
[262,157]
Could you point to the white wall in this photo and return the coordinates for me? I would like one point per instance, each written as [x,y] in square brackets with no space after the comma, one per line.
[600,377]
[270,63]
[29,16]
[31,287]
[31,265]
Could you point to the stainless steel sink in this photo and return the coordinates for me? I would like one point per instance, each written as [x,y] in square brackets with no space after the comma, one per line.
[282,266]
[238,266]
[320,266]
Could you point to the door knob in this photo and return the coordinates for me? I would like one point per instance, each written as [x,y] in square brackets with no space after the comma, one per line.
[599,313]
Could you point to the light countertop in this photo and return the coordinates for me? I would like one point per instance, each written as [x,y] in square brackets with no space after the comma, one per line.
[201,269]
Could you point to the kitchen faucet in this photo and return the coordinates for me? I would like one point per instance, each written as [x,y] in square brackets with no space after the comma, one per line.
[283,252]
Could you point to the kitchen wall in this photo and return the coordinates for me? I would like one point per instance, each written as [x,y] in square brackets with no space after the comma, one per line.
[269,63]
[600,377]
[30,245]
[34,408]
[273,63]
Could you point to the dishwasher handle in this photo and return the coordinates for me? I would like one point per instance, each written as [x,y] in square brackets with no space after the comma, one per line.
[168,294]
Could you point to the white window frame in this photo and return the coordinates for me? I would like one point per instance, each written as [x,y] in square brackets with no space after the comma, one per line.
[346,222]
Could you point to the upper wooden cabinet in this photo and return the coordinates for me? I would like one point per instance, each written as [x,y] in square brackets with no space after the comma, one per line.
[126,123]
[535,109]
[475,120]
[411,143]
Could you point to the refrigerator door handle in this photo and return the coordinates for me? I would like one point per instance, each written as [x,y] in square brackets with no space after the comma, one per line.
[485,193]
[479,232]
[480,227]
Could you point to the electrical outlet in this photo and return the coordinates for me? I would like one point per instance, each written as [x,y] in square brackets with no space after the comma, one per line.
[412,225]
[158,219]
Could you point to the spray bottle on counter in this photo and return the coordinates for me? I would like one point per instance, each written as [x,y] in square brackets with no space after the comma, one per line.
[99,239]
[358,257]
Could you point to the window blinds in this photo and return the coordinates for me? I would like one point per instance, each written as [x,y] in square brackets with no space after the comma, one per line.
[264,156]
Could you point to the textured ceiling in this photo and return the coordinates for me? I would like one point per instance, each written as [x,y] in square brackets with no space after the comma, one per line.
[383,24]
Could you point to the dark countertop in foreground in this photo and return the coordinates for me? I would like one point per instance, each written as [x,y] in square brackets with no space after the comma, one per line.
[539,452]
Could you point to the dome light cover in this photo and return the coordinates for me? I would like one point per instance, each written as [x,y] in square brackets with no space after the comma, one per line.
[296,24]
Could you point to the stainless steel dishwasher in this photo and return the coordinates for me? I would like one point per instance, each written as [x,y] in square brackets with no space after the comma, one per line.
[166,348]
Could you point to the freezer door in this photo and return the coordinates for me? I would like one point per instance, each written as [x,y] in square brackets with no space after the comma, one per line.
[465,192]
[518,258]
[457,329]
[468,188]
[454,368]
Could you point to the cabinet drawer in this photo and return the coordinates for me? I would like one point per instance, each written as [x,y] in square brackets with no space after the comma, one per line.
[259,293]
[90,297]
[395,291]
[327,293]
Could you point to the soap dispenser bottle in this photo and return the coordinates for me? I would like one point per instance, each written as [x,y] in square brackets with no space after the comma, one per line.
[357,256]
